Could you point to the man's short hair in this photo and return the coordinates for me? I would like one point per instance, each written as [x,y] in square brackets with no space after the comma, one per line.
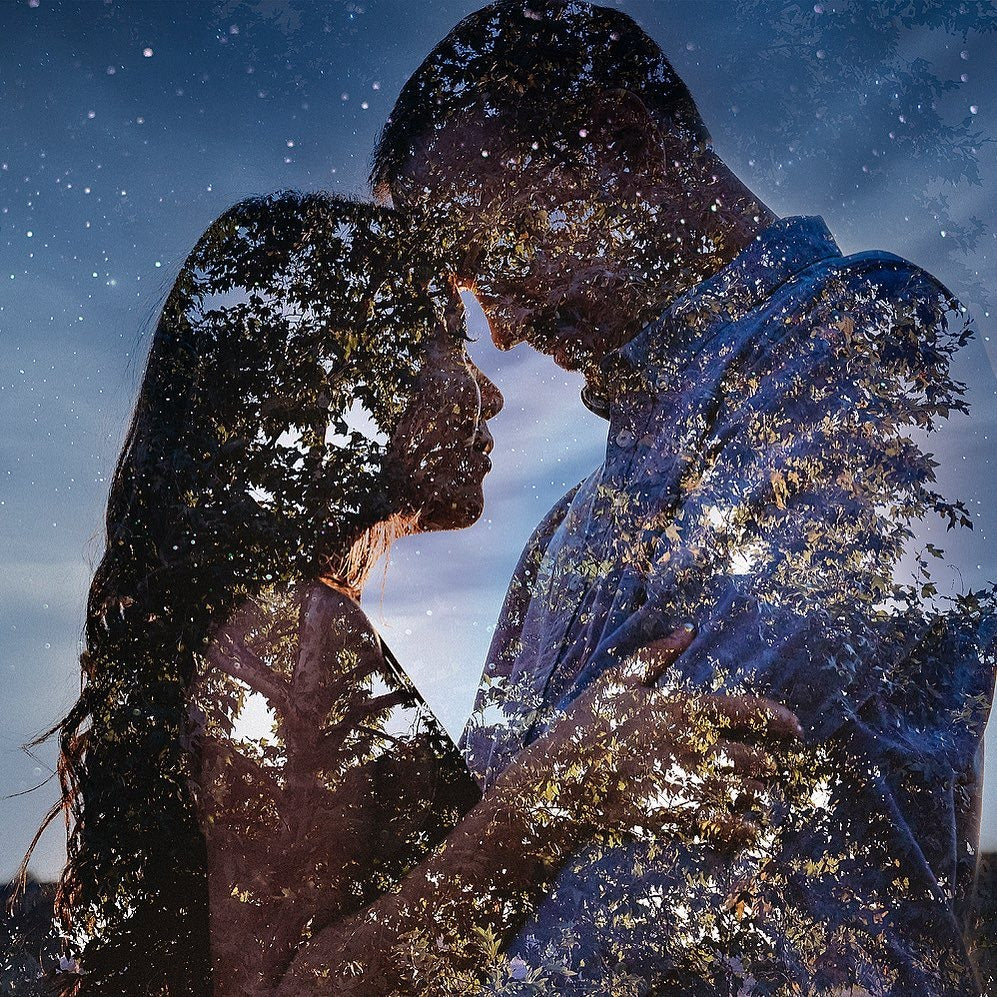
[537,65]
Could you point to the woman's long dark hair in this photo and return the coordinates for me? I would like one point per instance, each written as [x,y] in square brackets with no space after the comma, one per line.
[290,309]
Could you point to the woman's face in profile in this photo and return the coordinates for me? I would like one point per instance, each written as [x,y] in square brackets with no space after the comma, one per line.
[438,455]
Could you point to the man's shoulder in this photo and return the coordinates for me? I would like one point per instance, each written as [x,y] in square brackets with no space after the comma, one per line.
[880,274]
[862,303]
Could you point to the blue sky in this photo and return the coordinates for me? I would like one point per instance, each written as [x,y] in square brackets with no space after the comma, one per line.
[128,128]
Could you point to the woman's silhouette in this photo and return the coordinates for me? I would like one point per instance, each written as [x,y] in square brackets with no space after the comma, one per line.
[247,509]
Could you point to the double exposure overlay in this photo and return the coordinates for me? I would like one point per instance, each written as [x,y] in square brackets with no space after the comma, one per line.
[728,736]
[274,454]
[760,480]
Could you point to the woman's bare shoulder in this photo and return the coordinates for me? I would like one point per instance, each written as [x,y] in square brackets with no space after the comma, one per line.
[292,628]
[329,608]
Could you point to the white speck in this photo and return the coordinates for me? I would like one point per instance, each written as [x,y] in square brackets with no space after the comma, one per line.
[973,109]
[290,144]
[158,264]
[963,54]
[91,115]
[429,612]
[29,233]
[233,29]
[964,78]
[344,96]
[111,70]
[147,52]
[484,153]
[375,86]
[583,133]
[364,105]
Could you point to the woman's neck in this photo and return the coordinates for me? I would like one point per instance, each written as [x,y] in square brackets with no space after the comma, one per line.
[348,569]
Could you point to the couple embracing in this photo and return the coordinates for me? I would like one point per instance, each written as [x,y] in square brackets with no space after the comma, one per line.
[717,748]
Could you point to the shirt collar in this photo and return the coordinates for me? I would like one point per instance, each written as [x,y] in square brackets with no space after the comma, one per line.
[774,256]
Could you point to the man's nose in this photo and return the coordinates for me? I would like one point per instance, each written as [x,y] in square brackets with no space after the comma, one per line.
[504,334]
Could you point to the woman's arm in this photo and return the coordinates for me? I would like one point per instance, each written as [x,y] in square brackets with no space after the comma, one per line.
[338,793]
[623,756]
[353,854]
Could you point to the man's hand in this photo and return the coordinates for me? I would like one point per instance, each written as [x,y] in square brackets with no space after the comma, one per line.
[626,755]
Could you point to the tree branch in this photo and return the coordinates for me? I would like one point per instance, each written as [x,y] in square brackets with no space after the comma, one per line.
[237,661]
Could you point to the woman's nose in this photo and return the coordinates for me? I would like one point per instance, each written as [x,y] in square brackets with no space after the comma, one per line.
[491,398]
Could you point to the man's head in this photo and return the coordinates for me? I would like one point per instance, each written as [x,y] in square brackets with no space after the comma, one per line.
[545,132]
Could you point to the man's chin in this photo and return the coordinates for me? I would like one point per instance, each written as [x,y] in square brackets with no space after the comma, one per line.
[562,340]
[548,342]
[567,358]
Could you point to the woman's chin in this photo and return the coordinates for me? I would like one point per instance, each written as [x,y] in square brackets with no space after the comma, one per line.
[457,514]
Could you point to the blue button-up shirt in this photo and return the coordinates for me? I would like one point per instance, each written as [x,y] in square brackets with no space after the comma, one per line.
[760,480]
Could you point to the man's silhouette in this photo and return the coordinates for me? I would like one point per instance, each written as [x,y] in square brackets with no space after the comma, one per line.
[759,480]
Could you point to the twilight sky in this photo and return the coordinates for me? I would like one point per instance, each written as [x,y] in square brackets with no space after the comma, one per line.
[126,128]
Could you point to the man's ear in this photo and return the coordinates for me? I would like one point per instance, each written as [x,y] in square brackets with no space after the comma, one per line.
[621,124]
